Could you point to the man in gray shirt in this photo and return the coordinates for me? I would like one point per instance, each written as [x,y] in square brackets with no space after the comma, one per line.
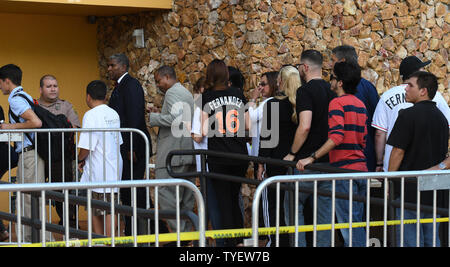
[178,103]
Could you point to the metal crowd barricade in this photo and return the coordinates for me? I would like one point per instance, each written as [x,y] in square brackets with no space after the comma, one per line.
[426,180]
[42,188]
[204,174]
[19,136]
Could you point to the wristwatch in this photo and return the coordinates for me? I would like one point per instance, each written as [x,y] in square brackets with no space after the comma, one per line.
[442,166]
[313,155]
[291,153]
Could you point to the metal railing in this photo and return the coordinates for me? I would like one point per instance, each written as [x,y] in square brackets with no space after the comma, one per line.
[204,174]
[20,135]
[427,181]
[65,187]
[142,212]
[387,203]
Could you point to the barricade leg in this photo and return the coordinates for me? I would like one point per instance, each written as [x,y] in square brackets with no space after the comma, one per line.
[270,211]
[323,212]
[342,212]
[26,173]
[167,198]
[213,210]
[56,171]
[324,215]
[391,213]
[410,231]
[186,202]
[228,194]
[35,218]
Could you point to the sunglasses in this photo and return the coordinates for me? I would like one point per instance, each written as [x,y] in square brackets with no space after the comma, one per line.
[332,77]
[262,84]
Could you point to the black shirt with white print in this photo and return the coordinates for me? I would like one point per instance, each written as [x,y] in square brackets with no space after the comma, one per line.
[226,122]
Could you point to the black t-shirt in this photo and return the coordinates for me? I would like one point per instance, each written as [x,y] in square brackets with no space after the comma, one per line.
[282,115]
[422,132]
[314,96]
[226,131]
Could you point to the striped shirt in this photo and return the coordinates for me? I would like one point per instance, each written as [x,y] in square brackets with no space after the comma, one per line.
[347,117]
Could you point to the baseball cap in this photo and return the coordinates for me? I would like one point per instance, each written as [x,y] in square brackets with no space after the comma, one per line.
[411,64]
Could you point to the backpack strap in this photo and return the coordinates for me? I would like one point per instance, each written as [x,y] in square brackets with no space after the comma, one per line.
[16,118]
[31,103]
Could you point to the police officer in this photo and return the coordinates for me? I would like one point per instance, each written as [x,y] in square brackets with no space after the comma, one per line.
[50,100]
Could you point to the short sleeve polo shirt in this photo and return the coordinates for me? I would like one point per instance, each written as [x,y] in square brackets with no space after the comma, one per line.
[422,131]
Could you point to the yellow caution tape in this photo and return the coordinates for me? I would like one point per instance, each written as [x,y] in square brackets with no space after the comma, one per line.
[222,234]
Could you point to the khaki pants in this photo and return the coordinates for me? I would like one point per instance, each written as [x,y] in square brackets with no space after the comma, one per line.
[167,197]
[26,173]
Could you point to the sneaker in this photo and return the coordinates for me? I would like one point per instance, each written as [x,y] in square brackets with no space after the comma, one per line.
[4,235]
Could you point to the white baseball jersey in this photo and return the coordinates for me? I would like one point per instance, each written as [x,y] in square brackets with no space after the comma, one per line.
[386,113]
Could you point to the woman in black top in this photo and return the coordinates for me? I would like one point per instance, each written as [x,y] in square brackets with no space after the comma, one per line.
[286,117]
[224,121]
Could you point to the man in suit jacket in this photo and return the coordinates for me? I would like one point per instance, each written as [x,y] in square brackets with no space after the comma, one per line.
[128,101]
[178,104]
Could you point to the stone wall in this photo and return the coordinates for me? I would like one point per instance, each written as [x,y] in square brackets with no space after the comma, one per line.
[261,35]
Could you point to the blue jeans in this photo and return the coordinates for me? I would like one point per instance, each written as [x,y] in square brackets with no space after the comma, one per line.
[323,210]
[409,230]
[343,212]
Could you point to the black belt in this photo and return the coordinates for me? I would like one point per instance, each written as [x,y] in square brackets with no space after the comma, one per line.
[26,149]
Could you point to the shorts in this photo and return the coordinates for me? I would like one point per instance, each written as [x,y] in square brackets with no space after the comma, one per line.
[103,197]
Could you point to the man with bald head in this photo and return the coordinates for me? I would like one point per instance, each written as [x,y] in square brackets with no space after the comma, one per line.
[49,99]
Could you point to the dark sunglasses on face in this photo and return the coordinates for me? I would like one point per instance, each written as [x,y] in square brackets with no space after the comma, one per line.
[332,77]
[262,84]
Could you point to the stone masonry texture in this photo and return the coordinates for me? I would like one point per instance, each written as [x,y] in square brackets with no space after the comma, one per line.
[262,35]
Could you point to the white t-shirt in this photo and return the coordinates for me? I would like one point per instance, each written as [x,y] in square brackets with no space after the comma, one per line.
[102,116]
[256,116]
[386,113]
[197,129]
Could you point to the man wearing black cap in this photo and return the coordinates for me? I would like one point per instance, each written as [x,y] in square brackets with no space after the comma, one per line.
[420,140]
[391,102]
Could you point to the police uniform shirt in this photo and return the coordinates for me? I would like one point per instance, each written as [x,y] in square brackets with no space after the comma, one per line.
[62,107]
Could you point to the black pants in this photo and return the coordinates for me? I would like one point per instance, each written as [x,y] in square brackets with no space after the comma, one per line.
[56,176]
[269,203]
[228,198]
[269,216]
[125,193]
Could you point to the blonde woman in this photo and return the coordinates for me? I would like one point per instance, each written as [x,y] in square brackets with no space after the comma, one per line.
[283,106]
